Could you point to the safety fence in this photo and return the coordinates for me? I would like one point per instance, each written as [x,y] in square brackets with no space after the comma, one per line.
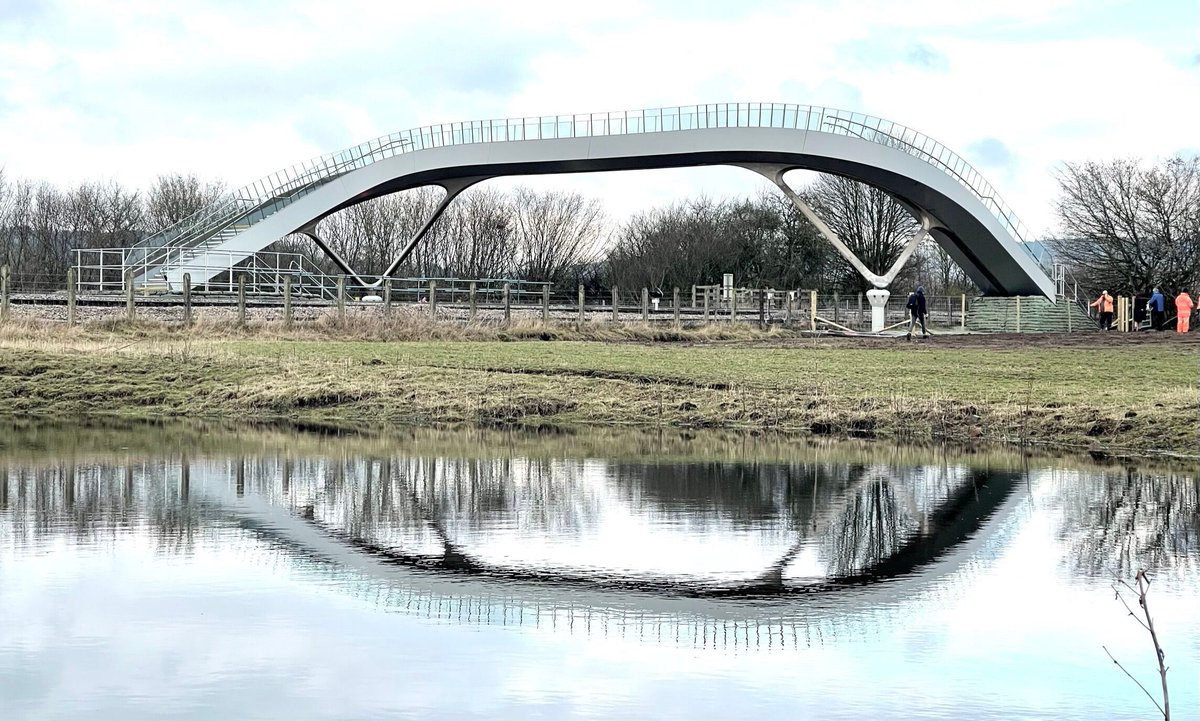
[293,299]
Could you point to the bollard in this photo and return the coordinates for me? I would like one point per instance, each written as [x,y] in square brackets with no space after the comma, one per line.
[645,305]
[130,313]
[71,297]
[241,300]
[387,298]
[4,292]
[341,299]
[616,304]
[546,304]
[706,306]
[287,301]
[1018,314]
[581,305]
[471,302]
[675,307]
[432,298]
[962,311]
[187,299]
[812,311]
[507,305]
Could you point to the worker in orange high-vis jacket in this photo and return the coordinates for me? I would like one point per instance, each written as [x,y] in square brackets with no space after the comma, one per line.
[1104,304]
[1183,311]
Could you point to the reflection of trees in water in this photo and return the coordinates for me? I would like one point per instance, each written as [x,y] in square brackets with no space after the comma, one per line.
[855,516]
[1117,522]
[428,502]
[95,503]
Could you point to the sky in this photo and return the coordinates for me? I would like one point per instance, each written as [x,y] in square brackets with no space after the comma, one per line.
[233,91]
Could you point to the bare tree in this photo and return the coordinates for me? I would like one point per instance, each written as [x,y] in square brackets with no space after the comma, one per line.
[554,232]
[869,221]
[171,198]
[1126,227]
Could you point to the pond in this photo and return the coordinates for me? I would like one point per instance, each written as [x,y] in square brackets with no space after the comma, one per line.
[210,571]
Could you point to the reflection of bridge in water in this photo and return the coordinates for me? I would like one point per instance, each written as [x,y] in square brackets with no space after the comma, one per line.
[415,534]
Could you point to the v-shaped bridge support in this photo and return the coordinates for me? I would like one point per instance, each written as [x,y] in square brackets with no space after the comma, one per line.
[453,189]
[878,296]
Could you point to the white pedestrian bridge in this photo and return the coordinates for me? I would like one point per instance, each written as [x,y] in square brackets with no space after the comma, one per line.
[954,204]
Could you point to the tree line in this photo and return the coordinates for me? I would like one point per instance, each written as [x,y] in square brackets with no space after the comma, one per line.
[1124,225]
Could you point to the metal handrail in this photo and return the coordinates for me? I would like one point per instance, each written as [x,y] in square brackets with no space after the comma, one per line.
[314,172]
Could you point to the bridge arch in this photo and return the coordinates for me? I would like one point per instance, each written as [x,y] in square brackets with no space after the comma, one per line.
[955,205]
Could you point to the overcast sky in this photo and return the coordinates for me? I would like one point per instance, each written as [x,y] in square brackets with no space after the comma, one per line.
[234,90]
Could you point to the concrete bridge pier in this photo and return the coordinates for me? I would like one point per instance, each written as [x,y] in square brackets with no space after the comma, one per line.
[878,298]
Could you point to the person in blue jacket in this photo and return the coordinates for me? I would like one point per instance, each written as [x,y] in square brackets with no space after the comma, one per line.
[916,309]
[1156,305]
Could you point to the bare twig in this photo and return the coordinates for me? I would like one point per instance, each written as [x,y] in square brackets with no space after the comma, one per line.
[1139,683]
[1147,622]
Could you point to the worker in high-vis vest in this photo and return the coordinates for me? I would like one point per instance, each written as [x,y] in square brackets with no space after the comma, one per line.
[1104,304]
[1183,311]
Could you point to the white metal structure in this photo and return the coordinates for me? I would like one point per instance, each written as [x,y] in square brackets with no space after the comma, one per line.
[955,205]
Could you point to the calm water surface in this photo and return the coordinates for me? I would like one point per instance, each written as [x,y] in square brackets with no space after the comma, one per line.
[188,572]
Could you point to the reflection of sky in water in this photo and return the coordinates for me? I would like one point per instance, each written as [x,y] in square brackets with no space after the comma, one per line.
[119,625]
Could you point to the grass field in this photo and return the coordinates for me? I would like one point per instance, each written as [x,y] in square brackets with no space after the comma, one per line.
[1111,394]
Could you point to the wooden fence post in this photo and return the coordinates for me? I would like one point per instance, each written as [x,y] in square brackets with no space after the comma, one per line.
[675,307]
[789,301]
[71,297]
[836,302]
[130,312]
[616,303]
[812,310]
[432,298]
[645,305]
[287,301]
[341,298]
[733,305]
[472,303]
[1018,314]
[507,305]
[4,275]
[581,304]
[187,299]
[706,306]
[546,304]
[1067,307]
[693,295]
[242,300]
[762,309]
[962,311]
[387,297]
[860,310]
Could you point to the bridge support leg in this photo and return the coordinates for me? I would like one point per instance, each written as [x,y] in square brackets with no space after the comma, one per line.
[878,297]
[453,189]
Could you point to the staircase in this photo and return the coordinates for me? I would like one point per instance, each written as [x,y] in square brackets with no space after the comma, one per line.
[165,256]
[994,314]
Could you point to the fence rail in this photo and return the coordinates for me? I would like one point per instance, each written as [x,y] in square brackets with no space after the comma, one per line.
[486,300]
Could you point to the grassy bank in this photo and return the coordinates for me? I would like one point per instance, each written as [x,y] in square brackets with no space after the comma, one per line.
[1109,394]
